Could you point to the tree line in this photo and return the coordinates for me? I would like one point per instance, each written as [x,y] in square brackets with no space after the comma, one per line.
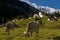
[10,9]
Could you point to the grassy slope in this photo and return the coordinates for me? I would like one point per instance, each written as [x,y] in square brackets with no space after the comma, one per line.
[44,32]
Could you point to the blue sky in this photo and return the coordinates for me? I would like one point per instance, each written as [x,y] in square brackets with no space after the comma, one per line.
[49,3]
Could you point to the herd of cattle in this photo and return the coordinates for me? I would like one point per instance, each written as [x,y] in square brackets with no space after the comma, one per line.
[32,26]
[51,16]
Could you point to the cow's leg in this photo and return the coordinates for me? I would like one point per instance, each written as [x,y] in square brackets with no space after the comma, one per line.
[27,34]
[31,33]
[13,28]
[7,31]
[37,32]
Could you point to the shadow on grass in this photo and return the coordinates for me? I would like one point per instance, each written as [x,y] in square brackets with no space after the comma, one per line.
[57,38]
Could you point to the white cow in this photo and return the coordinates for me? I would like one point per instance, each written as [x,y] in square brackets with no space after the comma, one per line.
[40,15]
[35,15]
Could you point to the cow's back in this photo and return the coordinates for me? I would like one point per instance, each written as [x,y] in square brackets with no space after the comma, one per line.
[32,26]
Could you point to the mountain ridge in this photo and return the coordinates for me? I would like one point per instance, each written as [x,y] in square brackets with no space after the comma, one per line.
[10,9]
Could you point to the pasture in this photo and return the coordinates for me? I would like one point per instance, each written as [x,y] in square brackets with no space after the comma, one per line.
[48,31]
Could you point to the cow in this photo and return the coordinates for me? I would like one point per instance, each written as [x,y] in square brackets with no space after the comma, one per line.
[33,27]
[51,16]
[11,26]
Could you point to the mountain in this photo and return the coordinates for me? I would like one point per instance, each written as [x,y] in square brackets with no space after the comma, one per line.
[10,9]
[47,9]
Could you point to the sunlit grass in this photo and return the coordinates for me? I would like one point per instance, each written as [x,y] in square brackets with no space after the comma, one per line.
[46,30]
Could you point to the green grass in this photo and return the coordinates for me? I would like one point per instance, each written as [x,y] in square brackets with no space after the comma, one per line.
[46,31]
[18,34]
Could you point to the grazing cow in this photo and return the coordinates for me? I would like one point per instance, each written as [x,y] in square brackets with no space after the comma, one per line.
[51,16]
[10,26]
[35,15]
[40,15]
[33,27]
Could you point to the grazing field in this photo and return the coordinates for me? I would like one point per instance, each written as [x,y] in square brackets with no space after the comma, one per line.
[48,31]
[17,34]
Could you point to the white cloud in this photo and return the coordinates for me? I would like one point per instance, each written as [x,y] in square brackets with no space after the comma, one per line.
[51,9]
[32,4]
[48,9]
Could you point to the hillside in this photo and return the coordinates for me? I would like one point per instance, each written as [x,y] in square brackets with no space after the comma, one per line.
[47,31]
[21,13]
[10,9]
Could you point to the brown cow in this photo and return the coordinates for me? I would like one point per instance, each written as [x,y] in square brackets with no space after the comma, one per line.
[33,27]
[10,26]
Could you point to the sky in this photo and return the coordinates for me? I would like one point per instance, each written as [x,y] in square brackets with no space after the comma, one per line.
[50,3]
